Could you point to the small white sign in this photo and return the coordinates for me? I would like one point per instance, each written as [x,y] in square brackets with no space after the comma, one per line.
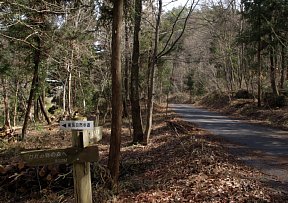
[77,125]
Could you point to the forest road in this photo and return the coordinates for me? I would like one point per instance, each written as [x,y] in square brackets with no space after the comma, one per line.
[258,146]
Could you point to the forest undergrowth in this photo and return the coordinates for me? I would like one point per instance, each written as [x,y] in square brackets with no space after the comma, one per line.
[246,109]
[182,163]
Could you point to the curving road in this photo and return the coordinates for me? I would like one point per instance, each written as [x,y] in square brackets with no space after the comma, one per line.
[261,147]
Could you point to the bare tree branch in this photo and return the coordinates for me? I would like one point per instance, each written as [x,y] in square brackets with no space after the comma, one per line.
[191,9]
[44,11]
[173,27]
[18,40]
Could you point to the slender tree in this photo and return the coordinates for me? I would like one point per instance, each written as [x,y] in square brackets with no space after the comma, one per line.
[115,140]
[135,101]
[127,64]
[7,123]
[34,85]
[156,55]
[152,65]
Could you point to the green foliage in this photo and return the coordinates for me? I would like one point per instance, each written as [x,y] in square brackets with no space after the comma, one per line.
[4,64]
[190,83]
[200,89]
[106,9]
[194,85]
[171,26]
[2,117]
[38,127]
[163,75]
[265,17]
[66,37]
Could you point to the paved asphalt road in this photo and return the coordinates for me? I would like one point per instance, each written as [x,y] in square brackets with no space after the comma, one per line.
[261,147]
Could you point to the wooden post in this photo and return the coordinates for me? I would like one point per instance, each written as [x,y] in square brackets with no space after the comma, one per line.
[81,171]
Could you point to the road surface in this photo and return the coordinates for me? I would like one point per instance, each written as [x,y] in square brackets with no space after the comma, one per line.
[261,147]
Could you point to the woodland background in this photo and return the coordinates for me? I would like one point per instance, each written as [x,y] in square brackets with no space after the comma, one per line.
[60,58]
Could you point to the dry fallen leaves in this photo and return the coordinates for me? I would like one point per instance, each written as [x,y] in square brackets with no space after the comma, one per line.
[182,164]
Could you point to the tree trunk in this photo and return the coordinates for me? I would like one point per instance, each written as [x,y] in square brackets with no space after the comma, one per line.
[283,66]
[242,69]
[135,101]
[74,93]
[15,104]
[36,109]
[82,91]
[69,69]
[259,95]
[115,140]
[7,123]
[64,97]
[43,110]
[151,76]
[127,62]
[273,69]
[69,91]
[36,60]
[259,61]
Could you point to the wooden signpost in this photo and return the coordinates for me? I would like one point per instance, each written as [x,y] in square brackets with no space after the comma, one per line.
[61,156]
[80,154]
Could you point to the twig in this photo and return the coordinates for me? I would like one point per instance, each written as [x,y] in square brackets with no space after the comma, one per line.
[38,179]
[178,136]
[63,175]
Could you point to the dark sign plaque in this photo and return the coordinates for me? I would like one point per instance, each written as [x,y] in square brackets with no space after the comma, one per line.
[61,156]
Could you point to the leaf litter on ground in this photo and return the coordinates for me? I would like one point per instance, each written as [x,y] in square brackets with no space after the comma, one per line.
[182,163]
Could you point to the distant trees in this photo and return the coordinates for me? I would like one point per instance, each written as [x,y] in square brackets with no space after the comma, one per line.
[59,54]
[267,28]
[28,26]
[147,53]
[238,46]
[53,42]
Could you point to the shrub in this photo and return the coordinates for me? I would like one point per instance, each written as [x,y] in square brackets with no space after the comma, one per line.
[178,98]
[216,99]
[243,94]
[275,100]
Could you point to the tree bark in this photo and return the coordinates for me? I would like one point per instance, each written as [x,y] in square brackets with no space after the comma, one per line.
[283,66]
[7,123]
[69,69]
[43,110]
[127,62]
[36,60]
[82,91]
[115,140]
[259,94]
[151,78]
[36,109]
[64,97]
[135,101]
[273,69]
[15,103]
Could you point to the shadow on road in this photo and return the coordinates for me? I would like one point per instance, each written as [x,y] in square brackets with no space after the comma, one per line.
[261,147]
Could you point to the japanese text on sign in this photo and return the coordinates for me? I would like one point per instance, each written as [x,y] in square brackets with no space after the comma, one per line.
[76,125]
